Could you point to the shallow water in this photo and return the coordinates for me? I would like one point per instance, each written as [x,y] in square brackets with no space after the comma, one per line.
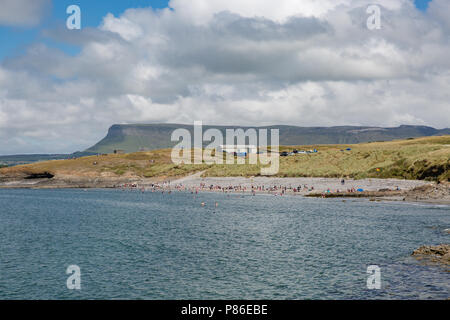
[133,245]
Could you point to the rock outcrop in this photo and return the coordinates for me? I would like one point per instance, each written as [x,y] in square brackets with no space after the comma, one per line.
[439,191]
[439,253]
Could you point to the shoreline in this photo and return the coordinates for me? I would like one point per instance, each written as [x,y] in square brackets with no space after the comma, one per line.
[315,187]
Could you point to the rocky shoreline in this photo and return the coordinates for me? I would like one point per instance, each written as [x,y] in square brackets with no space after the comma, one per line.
[432,193]
[436,254]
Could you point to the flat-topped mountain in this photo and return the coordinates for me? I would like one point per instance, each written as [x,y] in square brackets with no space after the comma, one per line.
[135,137]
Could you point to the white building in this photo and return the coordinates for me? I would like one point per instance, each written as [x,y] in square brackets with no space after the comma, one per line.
[238,149]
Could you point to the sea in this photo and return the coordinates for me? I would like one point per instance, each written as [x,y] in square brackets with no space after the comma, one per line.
[128,244]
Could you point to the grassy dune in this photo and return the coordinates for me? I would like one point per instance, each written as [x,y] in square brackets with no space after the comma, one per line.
[421,158]
[142,164]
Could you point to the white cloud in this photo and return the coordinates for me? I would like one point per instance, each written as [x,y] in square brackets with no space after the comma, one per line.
[22,12]
[224,62]
[201,11]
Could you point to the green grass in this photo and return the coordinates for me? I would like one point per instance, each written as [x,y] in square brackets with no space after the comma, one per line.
[421,158]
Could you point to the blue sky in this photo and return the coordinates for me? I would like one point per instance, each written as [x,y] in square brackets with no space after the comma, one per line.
[17,38]
[422,4]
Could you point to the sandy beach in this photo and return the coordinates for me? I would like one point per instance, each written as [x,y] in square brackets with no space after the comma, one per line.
[387,189]
[308,185]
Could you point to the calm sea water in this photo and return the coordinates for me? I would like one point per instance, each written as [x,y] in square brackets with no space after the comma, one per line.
[133,245]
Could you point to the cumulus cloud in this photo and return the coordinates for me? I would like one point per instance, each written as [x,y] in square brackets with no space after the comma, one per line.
[231,62]
[200,11]
[22,12]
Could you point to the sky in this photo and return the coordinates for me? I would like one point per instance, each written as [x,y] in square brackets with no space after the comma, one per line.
[240,62]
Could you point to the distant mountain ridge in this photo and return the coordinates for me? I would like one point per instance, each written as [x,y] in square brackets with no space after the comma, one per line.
[135,137]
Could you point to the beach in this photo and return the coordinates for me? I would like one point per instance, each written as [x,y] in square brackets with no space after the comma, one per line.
[308,185]
[387,189]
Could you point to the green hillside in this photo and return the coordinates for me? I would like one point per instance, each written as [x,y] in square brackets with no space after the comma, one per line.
[422,158]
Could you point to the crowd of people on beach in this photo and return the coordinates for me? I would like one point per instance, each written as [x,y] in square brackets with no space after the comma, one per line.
[166,186]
